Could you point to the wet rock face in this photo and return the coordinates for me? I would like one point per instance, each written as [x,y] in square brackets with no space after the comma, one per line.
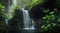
[36,12]
[16,22]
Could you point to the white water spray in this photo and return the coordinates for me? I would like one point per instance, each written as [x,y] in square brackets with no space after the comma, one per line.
[28,23]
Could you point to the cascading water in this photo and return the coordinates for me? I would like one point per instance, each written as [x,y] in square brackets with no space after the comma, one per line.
[26,18]
[7,12]
[28,23]
[10,8]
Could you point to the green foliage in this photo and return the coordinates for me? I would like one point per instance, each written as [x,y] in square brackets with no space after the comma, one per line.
[27,3]
[2,10]
[11,9]
[2,18]
[50,21]
[46,10]
[47,27]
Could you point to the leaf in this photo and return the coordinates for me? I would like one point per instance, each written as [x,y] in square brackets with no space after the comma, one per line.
[51,12]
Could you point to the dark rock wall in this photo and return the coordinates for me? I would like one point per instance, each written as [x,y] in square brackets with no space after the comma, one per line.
[16,22]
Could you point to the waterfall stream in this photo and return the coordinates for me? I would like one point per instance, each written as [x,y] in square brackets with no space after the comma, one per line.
[10,9]
[28,22]
[26,18]
[7,12]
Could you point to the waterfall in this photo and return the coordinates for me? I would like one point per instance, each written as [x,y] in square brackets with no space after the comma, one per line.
[26,18]
[7,12]
[28,23]
[10,9]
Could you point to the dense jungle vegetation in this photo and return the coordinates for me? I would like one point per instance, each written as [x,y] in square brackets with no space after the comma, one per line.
[45,12]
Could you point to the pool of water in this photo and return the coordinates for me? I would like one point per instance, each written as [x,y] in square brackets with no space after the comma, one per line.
[27,30]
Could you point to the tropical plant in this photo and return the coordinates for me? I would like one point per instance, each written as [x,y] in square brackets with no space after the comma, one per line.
[2,18]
